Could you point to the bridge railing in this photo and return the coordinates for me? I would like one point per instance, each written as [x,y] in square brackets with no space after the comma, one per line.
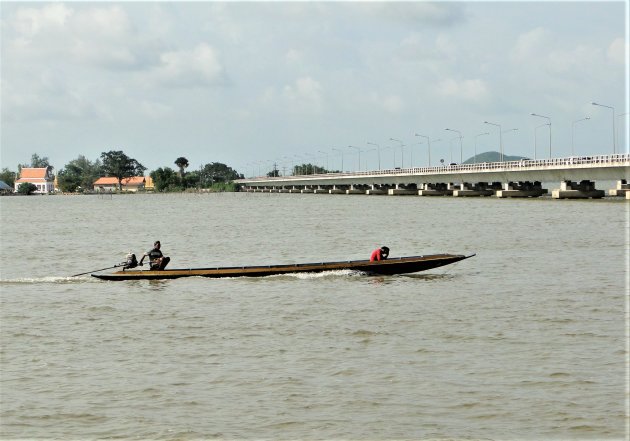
[523,164]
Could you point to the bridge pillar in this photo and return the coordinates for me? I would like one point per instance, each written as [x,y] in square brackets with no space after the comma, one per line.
[571,190]
[354,190]
[401,190]
[294,189]
[478,189]
[336,190]
[525,189]
[321,190]
[375,190]
[308,189]
[427,189]
[622,189]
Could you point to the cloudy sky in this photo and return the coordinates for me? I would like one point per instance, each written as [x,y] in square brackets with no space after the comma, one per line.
[249,84]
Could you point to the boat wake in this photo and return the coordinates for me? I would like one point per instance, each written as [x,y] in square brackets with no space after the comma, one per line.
[47,280]
[321,275]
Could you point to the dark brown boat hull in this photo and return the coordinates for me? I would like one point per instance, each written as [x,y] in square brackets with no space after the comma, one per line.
[401,265]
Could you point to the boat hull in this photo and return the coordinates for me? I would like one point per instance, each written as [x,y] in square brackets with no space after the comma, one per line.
[401,265]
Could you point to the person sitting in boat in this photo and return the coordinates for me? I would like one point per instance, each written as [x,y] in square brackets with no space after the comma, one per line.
[157,261]
[379,254]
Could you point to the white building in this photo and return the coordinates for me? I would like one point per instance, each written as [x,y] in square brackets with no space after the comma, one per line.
[42,178]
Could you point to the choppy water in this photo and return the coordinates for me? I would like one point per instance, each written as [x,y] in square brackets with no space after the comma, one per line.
[528,340]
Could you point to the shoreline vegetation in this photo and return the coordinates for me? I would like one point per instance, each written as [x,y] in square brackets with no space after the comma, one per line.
[228,187]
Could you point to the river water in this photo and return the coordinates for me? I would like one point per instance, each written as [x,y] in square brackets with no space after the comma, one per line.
[527,340]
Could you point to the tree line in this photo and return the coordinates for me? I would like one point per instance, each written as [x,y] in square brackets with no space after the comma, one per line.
[80,173]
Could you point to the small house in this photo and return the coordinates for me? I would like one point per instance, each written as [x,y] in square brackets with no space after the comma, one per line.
[42,178]
[110,184]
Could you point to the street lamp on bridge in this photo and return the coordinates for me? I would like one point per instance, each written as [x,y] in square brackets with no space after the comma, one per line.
[402,154]
[477,136]
[339,150]
[428,144]
[500,139]
[325,153]
[461,150]
[549,124]
[613,124]
[510,130]
[358,150]
[573,132]
[378,152]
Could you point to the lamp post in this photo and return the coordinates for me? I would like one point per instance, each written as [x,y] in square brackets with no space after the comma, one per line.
[536,138]
[325,153]
[402,154]
[613,124]
[621,128]
[428,144]
[500,139]
[461,150]
[509,130]
[477,136]
[339,150]
[573,133]
[548,119]
[358,150]
[378,152]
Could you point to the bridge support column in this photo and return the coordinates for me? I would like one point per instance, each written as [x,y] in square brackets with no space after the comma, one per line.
[354,190]
[572,190]
[434,190]
[375,190]
[521,190]
[336,190]
[622,189]
[294,189]
[478,189]
[321,190]
[307,189]
[400,190]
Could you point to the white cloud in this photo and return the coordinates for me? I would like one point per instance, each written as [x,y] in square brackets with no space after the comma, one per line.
[56,33]
[305,92]
[529,45]
[470,90]
[617,51]
[189,68]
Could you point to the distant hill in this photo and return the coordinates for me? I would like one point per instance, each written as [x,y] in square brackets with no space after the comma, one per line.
[492,157]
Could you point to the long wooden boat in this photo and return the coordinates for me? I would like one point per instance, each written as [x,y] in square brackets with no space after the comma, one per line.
[392,266]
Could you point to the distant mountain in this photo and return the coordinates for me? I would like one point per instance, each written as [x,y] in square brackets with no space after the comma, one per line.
[492,157]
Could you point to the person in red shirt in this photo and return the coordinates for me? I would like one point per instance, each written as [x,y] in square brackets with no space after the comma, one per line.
[379,254]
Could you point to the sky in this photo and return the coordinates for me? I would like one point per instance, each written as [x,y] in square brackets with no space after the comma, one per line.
[252,84]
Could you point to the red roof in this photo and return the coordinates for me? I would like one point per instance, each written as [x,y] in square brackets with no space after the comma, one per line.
[110,180]
[33,175]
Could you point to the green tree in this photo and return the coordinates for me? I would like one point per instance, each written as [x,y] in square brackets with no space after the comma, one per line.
[8,176]
[120,166]
[39,162]
[217,172]
[36,162]
[78,174]
[69,178]
[308,169]
[27,188]
[182,163]
[166,179]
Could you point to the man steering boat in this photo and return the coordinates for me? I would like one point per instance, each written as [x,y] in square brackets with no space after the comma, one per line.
[157,260]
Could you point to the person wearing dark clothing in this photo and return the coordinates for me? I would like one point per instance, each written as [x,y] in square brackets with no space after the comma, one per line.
[157,261]
[379,254]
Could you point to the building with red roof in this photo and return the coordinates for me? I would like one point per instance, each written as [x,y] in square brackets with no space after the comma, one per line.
[134,183]
[42,178]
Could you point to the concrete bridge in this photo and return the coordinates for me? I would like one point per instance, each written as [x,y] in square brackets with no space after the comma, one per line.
[576,178]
